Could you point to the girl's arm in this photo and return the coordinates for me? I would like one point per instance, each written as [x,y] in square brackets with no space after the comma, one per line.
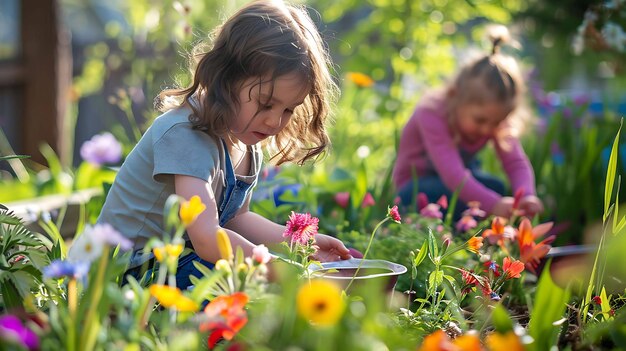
[255,228]
[516,165]
[202,232]
[261,230]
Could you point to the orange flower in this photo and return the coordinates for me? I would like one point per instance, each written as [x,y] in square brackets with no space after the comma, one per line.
[512,269]
[495,235]
[504,342]
[474,244]
[360,79]
[531,253]
[226,317]
[439,341]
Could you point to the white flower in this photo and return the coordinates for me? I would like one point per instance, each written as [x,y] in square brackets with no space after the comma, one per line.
[261,254]
[86,248]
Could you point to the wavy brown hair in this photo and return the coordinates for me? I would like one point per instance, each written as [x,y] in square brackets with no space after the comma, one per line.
[263,39]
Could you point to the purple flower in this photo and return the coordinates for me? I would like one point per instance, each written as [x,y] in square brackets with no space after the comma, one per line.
[60,268]
[101,149]
[104,232]
[12,329]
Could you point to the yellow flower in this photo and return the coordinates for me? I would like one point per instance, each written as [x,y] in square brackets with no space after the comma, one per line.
[360,79]
[169,250]
[504,342]
[170,297]
[223,244]
[320,302]
[189,210]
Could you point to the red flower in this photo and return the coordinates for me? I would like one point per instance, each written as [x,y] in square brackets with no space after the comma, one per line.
[493,267]
[368,201]
[394,214]
[512,269]
[226,317]
[597,300]
[301,227]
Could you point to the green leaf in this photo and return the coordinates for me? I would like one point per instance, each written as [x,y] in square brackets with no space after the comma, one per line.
[432,245]
[610,174]
[550,304]
[435,279]
[421,255]
[501,319]
[605,305]
[10,157]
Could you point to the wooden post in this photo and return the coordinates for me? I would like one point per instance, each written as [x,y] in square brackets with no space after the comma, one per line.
[46,79]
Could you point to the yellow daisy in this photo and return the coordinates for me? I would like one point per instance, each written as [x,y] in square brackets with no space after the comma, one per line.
[319,301]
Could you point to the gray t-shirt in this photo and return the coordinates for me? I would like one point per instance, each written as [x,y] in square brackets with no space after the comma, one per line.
[134,205]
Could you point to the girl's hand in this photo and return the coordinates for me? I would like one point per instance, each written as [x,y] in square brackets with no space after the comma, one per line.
[330,249]
[504,207]
[530,205]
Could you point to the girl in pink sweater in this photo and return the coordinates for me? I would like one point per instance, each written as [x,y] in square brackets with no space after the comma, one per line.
[439,144]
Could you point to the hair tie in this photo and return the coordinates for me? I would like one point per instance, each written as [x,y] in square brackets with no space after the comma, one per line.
[496,45]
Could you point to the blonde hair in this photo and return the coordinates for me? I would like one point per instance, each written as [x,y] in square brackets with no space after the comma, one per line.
[495,77]
[263,39]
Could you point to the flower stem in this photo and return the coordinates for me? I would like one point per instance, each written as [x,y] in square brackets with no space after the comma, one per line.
[89,337]
[71,304]
[366,252]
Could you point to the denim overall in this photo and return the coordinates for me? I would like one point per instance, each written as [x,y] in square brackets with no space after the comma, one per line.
[233,196]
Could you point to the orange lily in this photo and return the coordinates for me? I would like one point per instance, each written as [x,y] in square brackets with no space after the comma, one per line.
[531,253]
[512,269]
[497,233]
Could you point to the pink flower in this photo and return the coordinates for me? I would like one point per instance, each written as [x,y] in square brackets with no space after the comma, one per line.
[368,201]
[443,202]
[394,214]
[261,254]
[466,223]
[431,211]
[474,210]
[422,201]
[301,227]
[342,199]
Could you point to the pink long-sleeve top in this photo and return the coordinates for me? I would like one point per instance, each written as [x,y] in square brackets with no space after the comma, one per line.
[427,147]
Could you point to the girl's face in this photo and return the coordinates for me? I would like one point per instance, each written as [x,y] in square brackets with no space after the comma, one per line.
[476,121]
[263,112]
